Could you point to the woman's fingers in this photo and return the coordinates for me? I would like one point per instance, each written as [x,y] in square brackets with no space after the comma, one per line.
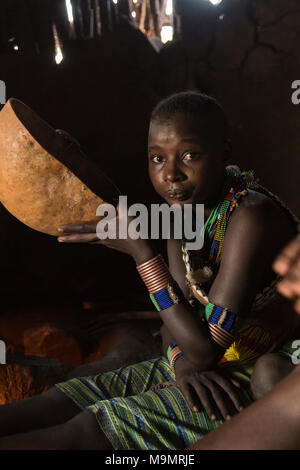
[217,394]
[287,257]
[79,238]
[226,385]
[188,395]
[235,383]
[223,392]
[86,227]
[218,397]
[206,400]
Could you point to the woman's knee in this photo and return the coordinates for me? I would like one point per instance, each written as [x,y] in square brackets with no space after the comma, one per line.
[268,371]
[58,405]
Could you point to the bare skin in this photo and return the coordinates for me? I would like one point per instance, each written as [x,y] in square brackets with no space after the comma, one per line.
[287,264]
[52,422]
[182,170]
[271,423]
[269,370]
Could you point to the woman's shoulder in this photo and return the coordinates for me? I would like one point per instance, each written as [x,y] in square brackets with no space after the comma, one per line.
[259,202]
[256,201]
[259,215]
[259,205]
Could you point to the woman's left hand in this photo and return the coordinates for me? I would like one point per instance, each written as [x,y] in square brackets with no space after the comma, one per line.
[212,389]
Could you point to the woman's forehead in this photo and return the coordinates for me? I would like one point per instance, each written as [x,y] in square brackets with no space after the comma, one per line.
[179,128]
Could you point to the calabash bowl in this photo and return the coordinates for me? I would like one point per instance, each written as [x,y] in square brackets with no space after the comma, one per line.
[45,179]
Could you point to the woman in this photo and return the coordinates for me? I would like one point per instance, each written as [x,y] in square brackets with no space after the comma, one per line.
[215,326]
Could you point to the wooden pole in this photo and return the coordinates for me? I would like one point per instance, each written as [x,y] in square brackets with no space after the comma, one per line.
[177,18]
[143,15]
[63,27]
[98,18]
[110,25]
[155,13]
[105,16]
[86,14]
[78,19]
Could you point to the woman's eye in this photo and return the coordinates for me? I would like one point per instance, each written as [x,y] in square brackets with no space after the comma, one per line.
[190,156]
[157,159]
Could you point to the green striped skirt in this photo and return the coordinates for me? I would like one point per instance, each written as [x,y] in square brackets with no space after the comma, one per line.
[134,415]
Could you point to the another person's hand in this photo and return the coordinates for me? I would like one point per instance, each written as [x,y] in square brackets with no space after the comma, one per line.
[287,265]
[210,390]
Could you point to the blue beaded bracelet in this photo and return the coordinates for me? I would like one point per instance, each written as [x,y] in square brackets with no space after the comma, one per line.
[167,297]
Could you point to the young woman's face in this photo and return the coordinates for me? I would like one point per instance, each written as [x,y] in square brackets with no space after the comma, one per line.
[182,169]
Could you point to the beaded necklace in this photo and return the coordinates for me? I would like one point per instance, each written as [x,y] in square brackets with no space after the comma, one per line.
[237,189]
[203,265]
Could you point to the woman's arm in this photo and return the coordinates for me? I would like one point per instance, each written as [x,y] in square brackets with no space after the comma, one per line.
[209,352]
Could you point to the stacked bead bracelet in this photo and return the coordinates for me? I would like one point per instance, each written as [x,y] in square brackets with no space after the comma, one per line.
[173,353]
[172,346]
[164,291]
[176,353]
[222,324]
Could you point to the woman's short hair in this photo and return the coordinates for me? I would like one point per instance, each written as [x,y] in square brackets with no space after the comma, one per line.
[197,106]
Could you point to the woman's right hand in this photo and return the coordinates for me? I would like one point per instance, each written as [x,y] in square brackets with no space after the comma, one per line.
[211,390]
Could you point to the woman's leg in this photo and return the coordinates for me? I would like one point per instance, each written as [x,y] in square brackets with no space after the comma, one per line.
[49,416]
[54,407]
[41,411]
[268,371]
[80,433]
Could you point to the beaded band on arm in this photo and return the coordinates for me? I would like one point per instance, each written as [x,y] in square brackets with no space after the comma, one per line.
[164,293]
[173,353]
[223,324]
[176,353]
[163,289]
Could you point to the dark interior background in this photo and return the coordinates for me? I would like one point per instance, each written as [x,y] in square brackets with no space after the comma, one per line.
[244,52]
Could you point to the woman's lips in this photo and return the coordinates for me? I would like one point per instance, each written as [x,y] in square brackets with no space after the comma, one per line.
[179,195]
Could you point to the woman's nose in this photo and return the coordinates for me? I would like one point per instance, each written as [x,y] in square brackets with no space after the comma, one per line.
[173,173]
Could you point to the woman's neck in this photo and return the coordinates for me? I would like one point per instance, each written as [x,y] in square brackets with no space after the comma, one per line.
[215,197]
